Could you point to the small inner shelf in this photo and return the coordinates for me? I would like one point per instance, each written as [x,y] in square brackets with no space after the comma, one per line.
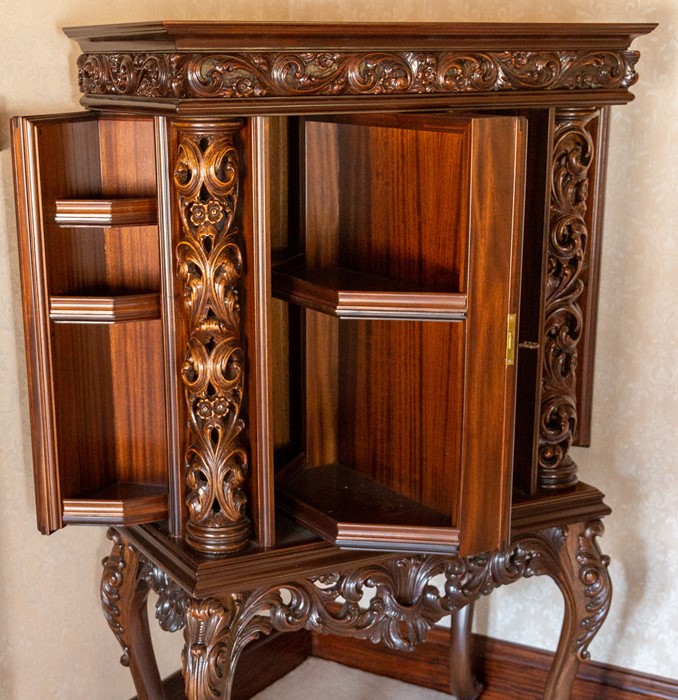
[131,211]
[104,309]
[350,294]
[120,503]
[357,512]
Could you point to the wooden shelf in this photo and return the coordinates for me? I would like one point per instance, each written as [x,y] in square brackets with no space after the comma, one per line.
[120,503]
[132,211]
[356,512]
[112,309]
[348,294]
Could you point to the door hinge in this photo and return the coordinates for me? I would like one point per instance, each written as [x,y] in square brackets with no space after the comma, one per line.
[511,339]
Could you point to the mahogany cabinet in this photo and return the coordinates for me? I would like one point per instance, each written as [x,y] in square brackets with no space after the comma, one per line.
[310,310]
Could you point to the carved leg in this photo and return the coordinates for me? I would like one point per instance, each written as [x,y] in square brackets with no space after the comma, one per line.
[123,595]
[584,581]
[463,683]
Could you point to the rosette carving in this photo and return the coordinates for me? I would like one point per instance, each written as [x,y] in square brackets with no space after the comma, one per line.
[209,267]
[573,153]
[282,74]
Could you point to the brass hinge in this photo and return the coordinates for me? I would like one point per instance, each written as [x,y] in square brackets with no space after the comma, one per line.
[511,339]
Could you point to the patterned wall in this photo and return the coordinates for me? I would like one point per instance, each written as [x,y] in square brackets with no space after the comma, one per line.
[55,641]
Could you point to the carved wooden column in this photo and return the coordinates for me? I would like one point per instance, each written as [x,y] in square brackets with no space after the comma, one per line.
[573,153]
[124,592]
[206,175]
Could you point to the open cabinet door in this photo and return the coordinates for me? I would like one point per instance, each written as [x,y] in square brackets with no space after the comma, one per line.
[408,277]
[90,272]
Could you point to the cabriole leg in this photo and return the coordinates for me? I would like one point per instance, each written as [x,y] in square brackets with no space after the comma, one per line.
[584,581]
[124,593]
[463,684]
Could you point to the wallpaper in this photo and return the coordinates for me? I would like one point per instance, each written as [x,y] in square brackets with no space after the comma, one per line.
[56,643]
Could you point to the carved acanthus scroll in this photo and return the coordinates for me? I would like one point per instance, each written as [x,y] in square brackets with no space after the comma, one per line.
[279,74]
[573,153]
[404,606]
[209,267]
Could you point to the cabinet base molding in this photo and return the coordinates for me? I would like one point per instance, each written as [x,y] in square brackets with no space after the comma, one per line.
[507,670]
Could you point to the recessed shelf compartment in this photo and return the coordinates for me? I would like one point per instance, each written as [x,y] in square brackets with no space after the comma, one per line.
[118,504]
[348,294]
[358,512]
[111,309]
[128,211]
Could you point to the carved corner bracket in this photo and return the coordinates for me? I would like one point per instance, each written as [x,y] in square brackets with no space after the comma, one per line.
[249,74]
[573,154]
[208,268]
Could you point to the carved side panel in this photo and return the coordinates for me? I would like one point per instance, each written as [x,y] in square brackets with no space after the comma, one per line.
[573,154]
[209,267]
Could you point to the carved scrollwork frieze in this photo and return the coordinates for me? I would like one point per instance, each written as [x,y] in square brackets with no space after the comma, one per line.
[208,268]
[573,154]
[283,74]
[405,601]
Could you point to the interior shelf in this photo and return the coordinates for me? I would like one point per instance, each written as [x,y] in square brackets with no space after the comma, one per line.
[355,511]
[128,211]
[104,309]
[350,294]
[120,503]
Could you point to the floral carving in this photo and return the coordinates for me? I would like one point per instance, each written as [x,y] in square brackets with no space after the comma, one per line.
[573,154]
[279,74]
[209,267]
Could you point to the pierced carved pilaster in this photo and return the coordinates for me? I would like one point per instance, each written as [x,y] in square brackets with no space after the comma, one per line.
[209,268]
[573,154]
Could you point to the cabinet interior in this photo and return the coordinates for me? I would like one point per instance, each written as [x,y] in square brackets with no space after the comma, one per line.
[98,252]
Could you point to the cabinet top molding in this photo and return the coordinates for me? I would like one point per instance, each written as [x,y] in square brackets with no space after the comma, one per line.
[199,67]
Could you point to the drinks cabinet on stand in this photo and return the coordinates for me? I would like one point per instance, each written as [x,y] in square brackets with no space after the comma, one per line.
[310,312]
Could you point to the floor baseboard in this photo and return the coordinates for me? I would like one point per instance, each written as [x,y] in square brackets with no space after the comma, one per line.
[507,670]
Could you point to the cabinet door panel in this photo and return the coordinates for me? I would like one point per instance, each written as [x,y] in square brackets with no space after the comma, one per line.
[409,398]
[91,290]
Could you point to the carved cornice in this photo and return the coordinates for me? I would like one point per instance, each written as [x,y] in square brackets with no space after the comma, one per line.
[247,74]
[209,267]
[573,153]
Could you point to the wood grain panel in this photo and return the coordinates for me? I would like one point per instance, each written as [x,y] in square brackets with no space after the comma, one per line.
[498,161]
[403,200]
[83,407]
[400,407]
[138,401]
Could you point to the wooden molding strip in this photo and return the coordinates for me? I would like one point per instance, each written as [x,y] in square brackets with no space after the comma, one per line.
[86,309]
[349,294]
[507,670]
[131,211]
